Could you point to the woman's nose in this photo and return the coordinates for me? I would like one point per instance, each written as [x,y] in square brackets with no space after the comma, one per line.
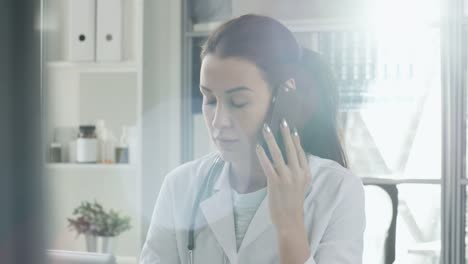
[222,118]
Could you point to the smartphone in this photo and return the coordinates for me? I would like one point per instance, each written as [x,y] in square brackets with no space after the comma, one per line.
[284,104]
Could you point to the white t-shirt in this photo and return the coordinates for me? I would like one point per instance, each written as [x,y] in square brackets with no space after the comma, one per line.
[244,207]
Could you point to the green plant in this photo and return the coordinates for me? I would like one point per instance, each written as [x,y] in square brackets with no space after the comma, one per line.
[93,219]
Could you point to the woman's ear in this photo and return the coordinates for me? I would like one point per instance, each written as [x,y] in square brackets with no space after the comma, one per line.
[290,84]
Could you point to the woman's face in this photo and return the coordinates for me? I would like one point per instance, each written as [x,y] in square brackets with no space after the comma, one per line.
[235,102]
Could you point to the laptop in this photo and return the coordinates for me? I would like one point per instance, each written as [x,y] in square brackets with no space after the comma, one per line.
[78,257]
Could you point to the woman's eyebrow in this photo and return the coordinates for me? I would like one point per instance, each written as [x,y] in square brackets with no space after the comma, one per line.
[230,91]
[238,89]
[204,88]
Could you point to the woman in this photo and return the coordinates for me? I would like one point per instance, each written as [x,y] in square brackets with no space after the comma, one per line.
[303,206]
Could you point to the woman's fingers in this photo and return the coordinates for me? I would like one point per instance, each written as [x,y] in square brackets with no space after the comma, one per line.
[300,151]
[265,162]
[290,147]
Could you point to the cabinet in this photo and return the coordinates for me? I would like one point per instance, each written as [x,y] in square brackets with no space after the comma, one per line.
[80,93]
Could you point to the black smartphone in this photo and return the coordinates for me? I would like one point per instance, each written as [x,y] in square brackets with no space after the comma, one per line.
[284,104]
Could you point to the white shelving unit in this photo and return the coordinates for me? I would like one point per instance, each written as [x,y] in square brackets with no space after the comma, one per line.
[88,167]
[298,25]
[76,93]
[95,66]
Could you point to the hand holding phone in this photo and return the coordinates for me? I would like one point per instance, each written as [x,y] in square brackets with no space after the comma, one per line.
[284,104]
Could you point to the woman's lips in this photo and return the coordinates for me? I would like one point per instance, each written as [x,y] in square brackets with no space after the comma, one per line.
[227,140]
[227,143]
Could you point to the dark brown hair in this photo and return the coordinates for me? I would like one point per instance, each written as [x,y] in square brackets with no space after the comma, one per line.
[275,51]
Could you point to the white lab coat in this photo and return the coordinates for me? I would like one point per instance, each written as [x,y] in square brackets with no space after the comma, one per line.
[333,210]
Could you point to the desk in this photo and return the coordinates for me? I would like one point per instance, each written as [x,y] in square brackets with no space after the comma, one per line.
[70,256]
[126,260]
[429,249]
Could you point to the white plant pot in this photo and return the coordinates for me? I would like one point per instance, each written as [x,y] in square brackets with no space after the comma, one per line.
[100,244]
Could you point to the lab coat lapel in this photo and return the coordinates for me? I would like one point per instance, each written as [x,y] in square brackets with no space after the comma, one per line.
[218,212]
[259,224]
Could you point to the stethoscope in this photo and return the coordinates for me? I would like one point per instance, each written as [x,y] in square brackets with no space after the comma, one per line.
[205,192]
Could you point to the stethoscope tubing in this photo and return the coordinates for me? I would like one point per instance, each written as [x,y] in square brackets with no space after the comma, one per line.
[214,171]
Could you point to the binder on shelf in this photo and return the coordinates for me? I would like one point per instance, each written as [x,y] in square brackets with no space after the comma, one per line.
[82,34]
[109,30]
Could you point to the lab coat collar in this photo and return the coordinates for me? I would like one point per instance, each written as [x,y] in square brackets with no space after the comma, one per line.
[218,211]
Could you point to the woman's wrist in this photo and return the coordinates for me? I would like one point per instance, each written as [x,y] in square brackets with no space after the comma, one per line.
[291,229]
[292,223]
[293,244]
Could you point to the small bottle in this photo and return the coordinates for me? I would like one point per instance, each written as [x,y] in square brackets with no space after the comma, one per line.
[55,152]
[100,134]
[86,145]
[103,135]
[103,146]
[121,152]
[110,143]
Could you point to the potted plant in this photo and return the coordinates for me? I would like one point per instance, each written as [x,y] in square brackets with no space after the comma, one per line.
[100,227]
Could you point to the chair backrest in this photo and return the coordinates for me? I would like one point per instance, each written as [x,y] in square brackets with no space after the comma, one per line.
[379,215]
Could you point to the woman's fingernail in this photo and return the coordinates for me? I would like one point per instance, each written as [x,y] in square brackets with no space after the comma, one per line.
[266,128]
[284,123]
[295,133]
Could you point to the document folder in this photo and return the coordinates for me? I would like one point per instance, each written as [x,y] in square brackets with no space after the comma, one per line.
[82,34]
[109,30]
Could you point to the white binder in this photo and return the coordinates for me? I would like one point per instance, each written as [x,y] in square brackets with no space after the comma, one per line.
[109,30]
[82,15]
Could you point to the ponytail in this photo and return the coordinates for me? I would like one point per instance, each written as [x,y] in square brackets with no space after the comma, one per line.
[316,87]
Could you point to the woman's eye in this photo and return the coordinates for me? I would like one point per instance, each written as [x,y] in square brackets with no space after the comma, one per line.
[234,103]
[239,101]
[209,101]
[239,105]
